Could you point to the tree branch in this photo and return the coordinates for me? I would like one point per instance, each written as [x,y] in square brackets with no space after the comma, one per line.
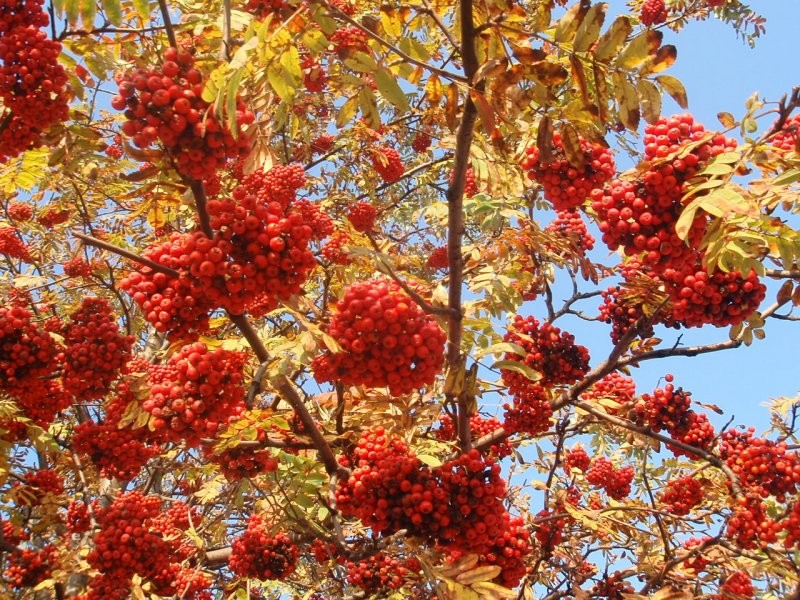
[87,239]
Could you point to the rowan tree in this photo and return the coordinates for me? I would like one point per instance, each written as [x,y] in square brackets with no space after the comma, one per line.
[298,294]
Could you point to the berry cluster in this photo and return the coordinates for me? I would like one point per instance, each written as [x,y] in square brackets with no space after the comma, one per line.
[137,538]
[681,495]
[259,554]
[577,458]
[570,225]
[77,267]
[611,587]
[78,520]
[565,185]
[362,216]
[195,393]
[313,216]
[33,84]
[421,142]
[614,388]
[258,254]
[616,482]
[334,251]
[762,465]
[749,526]
[549,531]
[27,352]
[667,408]
[653,12]
[95,352]
[166,104]
[788,137]
[530,411]
[437,259]
[737,586]
[387,163]
[19,211]
[12,245]
[118,452]
[27,567]
[348,40]
[478,427]
[386,340]
[241,463]
[459,504]
[696,430]
[550,351]
[52,216]
[381,573]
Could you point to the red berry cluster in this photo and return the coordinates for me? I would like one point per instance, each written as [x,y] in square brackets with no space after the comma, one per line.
[78,519]
[19,211]
[348,40]
[52,216]
[478,427]
[667,408]
[77,267]
[33,84]
[334,251]
[767,467]
[313,216]
[653,12]
[362,216]
[258,554]
[611,587]
[570,225]
[119,452]
[719,299]
[788,137]
[263,8]
[681,495]
[28,567]
[135,538]
[421,142]
[438,259]
[195,393]
[184,582]
[315,78]
[459,504]
[387,163]
[96,352]
[241,463]
[381,573]
[386,340]
[470,185]
[749,527]
[696,562]
[737,586]
[696,430]
[27,351]
[549,531]
[614,387]
[577,458]
[616,482]
[258,254]
[38,485]
[530,411]
[565,185]
[550,351]
[12,245]
[166,104]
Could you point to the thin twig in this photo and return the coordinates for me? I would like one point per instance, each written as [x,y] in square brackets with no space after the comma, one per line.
[87,239]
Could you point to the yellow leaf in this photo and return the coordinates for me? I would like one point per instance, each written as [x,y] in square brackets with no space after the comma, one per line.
[611,41]
[434,91]
[485,573]
[589,29]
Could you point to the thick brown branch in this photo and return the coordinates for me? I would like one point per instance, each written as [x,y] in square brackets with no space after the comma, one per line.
[200,200]
[87,239]
[162,5]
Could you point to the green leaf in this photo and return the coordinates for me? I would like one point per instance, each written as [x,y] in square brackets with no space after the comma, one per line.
[231,94]
[112,10]
[72,8]
[518,367]
[589,29]
[88,10]
[650,99]
[144,8]
[390,89]
[499,347]
[429,460]
[611,41]
[347,112]
[674,87]
[787,177]
[278,82]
